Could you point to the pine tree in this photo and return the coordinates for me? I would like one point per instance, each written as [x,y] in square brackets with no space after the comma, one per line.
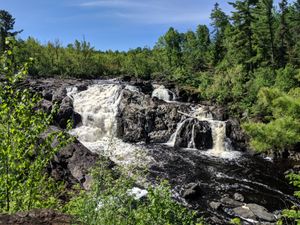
[294,25]
[219,23]
[7,23]
[173,42]
[284,35]
[241,36]
[264,32]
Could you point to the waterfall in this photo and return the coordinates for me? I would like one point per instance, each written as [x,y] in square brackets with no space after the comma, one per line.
[98,107]
[164,94]
[173,137]
[221,146]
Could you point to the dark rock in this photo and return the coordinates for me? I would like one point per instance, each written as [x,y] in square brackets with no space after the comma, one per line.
[192,191]
[66,113]
[215,205]
[230,202]
[237,136]
[37,217]
[261,212]
[144,119]
[244,212]
[59,94]
[238,197]
[46,106]
[187,95]
[82,87]
[72,164]
[199,129]
[47,94]
[219,113]
[254,211]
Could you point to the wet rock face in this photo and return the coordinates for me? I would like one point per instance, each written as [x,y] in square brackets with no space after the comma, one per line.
[237,136]
[55,91]
[195,131]
[73,163]
[66,113]
[142,118]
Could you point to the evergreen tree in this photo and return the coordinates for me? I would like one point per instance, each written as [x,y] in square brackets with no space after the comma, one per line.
[7,23]
[203,38]
[173,41]
[241,35]
[294,26]
[219,23]
[264,31]
[284,35]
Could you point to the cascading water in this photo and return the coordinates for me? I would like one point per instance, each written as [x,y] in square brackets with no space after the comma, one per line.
[163,93]
[221,147]
[202,155]
[98,107]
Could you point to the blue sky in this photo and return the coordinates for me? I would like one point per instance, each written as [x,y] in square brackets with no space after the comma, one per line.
[108,24]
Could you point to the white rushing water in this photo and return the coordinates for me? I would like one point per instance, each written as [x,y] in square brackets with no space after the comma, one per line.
[98,107]
[221,146]
[163,93]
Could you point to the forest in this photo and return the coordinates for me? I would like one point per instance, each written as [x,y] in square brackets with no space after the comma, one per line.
[247,61]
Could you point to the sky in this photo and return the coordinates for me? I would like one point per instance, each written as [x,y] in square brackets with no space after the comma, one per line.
[108,24]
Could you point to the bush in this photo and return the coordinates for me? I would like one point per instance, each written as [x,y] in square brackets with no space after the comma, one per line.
[282,114]
[109,202]
[24,154]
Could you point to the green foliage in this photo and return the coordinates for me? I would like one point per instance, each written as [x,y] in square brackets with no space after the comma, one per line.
[24,152]
[236,221]
[286,78]
[282,112]
[109,202]
[7,23]
[294,213]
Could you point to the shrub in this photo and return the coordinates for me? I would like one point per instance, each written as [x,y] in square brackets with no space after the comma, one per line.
[109,202]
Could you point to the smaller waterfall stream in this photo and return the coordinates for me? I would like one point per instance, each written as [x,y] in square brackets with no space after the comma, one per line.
[221,146]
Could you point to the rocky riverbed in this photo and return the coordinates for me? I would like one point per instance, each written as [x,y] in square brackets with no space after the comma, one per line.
[197,147]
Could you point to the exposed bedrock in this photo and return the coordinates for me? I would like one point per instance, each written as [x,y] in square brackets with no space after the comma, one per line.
[142,118]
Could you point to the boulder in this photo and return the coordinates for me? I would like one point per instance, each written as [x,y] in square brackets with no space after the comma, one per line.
[215,205]
[46,105]
[230,202]
[238,197]
[37,217]
[59,94]
[66,113]
[255,212]
[72,164]
[244,212]
[237,136]
[144,119]
[261,212]
[192,191]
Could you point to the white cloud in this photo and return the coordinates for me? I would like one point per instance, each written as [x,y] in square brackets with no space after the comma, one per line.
[151,11]
[164,18]
[114,4]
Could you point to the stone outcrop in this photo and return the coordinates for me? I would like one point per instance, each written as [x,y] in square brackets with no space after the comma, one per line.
[237,136]
[37,217]
[73,164]
[196,131]
[142,118]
